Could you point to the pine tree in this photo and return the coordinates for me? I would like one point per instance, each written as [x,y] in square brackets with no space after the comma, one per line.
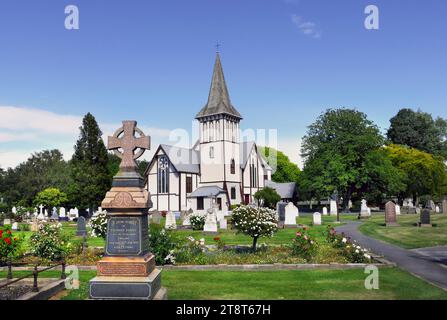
[90,169]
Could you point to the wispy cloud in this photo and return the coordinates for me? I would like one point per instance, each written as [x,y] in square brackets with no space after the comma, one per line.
[307,28]
[24,131]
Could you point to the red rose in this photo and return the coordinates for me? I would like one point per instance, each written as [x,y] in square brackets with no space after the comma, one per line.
[8,241]
[8,232]
[216,239]
[1,233]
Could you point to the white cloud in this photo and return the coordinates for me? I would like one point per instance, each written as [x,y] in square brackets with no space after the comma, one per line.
[24,131]
[306,27]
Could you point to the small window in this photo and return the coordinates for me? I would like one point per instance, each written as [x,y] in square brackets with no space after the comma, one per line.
[200,205]
[211,152]
[188,184]
[233,167]
[233,193]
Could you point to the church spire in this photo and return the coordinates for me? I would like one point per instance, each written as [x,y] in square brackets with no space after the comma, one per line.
[219,100]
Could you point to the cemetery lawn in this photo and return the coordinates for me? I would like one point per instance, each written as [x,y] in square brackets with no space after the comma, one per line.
[407,235]
[395,284]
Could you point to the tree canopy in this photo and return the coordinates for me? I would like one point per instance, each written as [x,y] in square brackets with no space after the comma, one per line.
[269,196]
[419,130]
[286,171]
[51,197]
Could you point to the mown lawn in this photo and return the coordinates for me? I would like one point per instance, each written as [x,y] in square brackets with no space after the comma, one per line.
[394,284]
[407,235]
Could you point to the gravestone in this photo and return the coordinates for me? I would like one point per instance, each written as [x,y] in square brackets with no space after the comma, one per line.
[35,225]
[324,211]
[46,213]
[425,218]
[14,210]
[444,207]
[170,223]
[156,217]
[417,210]
[210,222]
[54,215]
[223,224]
[369,212]
[127,270]
[41,209]
[6,222]
[15,226]
[364,210]
[291,213]
[333,207]
[431,205]
[41,216]
[281,211]
[398,210]
[81,229]
[437,209]
[390,214]
[63,214]
[187,218]
[317,219]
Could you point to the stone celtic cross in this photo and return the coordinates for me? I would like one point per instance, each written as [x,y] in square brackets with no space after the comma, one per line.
[129,144]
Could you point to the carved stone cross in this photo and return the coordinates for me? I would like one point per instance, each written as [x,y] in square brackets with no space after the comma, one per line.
[129,144]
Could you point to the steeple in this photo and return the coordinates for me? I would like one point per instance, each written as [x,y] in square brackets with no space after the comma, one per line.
[219,100]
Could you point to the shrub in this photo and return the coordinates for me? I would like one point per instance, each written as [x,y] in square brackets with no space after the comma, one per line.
[349,249]
[98,225]
[9,244]
[197,221]
[304,245]
[255,222]
[192,250]
[161,244]
[269,196]
[49,242]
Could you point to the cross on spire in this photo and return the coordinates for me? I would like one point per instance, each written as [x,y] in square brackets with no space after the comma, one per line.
[218,47]
[129,143]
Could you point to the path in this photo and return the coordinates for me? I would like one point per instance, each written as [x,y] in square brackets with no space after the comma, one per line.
[424,263]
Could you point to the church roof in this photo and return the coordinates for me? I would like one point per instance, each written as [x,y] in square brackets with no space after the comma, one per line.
[183,159]
[206,192]
[285,190]
[245,149]
[218,100]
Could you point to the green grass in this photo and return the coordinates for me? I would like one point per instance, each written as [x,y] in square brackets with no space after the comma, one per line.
[394,284]
[407,235]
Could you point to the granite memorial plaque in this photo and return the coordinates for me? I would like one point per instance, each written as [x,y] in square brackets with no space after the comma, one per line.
[124,236]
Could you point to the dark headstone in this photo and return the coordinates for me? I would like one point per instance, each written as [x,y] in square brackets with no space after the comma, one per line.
[81,227]
[390,214]
[425,218]
[281,207]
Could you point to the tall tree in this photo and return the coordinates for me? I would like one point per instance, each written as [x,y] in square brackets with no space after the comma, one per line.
[424,173]
[419,130]
[89,164]
[337,151]
[286,171]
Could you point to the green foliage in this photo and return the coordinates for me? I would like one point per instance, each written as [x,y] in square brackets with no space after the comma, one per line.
[269,196]
[423,173]
[49,243]
[90,166]
[304,245]
[419,130]
[197,221]
[348,248]
[50,198]
[255,222]
[286,171]
[161,244]
[337,152]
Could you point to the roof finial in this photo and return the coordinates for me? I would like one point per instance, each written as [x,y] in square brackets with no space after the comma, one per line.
[217,47]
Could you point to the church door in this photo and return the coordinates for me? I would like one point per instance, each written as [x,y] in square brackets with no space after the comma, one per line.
[247,199]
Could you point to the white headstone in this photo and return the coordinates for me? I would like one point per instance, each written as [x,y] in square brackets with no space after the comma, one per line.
[41,216]
[170,223]
[334,209]
[437,209]
[62,212]
[15,226]
[6,222]
[187,218]
[291,213]
[210,222]
[41,209]
[317,219]
[324,211]
[14,210]
[397,209]
[46,213]
[364,209]
[369,212]
[223,224]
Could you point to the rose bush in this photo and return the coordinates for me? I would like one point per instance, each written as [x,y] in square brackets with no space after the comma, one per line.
[197,221]
[49,243]
[98,225]
[304,245]
[9,244]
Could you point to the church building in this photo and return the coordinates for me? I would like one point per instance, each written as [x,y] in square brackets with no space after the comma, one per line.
[218,170]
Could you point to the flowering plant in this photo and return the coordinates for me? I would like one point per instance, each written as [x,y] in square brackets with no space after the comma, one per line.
[8,243]
[255,222]
[98,225]
[161,244]
[197,221]
[304,244]
[49,242]
[349,248]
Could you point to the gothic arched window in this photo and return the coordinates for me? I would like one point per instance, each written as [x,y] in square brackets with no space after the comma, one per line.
[233,167]
[163,175]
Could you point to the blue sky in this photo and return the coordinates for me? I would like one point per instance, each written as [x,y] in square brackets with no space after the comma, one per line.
[285,62]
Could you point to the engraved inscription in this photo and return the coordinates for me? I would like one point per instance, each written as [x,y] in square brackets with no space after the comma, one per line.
[123,236]
[111,269]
